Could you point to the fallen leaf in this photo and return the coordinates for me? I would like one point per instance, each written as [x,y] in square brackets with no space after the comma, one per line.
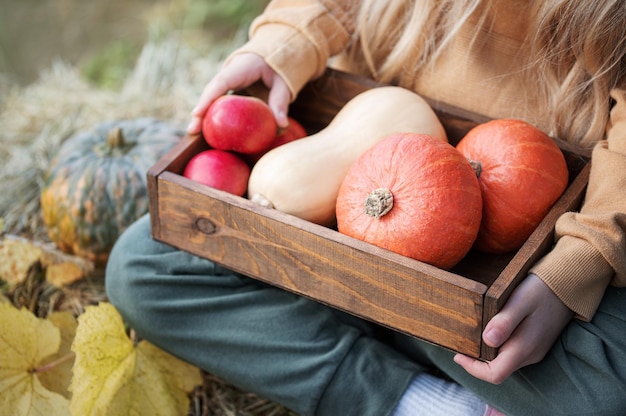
[63,274]
[25,341]
[112,376]
[16,257]
[59,376]
[63,269]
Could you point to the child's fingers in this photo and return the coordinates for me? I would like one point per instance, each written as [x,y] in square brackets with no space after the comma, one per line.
[195,125]
[496,371]
[278,100]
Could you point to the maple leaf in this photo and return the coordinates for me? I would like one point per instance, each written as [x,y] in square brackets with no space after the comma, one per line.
[25,341]
[112,376]
[55,371]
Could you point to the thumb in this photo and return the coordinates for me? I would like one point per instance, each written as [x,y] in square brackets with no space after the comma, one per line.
[502,325]
[498,330]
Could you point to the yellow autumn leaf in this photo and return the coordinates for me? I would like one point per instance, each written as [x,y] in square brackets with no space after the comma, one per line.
[62,274]
[17,255]
[63,268]
[16,258]
[58,367]
[112,376]
[25,341]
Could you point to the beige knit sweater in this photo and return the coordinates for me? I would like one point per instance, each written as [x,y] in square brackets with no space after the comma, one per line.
[297,38]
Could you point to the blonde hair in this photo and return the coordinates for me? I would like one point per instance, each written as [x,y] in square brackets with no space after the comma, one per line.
[580,52]
[577,51]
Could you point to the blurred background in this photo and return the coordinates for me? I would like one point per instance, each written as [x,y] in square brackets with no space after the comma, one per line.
[104,38]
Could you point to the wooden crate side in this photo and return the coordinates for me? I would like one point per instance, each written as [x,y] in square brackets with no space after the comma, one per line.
[173,161]
[537,245]
[321,264]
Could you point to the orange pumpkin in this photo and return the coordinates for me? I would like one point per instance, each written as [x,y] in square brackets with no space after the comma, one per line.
[415,195]
[522,172]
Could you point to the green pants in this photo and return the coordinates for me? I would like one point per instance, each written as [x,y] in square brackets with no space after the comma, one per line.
[318,361]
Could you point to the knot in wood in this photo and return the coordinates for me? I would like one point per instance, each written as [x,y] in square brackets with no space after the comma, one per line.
[205,225]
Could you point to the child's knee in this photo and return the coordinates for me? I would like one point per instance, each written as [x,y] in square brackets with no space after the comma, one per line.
[121,270]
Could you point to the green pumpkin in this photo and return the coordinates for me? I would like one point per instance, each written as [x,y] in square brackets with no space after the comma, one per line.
[96,185]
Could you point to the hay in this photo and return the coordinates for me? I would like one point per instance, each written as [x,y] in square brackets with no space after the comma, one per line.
[218,398]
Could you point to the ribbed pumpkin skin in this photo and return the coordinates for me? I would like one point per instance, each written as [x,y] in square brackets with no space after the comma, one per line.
[523,172]
[94,191]
[436,199]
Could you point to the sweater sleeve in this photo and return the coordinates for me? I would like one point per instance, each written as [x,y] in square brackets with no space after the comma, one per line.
[297,37]
[590,250]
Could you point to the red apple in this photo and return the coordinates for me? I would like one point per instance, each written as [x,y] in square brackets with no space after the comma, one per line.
[219,169]
[293,131]
[239,123]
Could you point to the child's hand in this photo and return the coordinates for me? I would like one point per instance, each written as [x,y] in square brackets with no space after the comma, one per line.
[242,71]
[525,329]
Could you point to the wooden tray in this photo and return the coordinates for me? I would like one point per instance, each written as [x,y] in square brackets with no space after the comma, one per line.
[448,308]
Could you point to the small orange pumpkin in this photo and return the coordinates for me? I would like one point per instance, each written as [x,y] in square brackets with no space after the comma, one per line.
[522,172]
[415,195]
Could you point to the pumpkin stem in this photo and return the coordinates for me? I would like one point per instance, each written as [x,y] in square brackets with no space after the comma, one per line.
[378,203]
[115,138]
[477,166]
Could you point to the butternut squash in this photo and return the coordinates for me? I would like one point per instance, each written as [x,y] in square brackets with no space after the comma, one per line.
[303,177]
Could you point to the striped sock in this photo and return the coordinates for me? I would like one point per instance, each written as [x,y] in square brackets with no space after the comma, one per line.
[433,396]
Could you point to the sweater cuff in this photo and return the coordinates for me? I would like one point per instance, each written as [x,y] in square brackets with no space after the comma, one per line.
[295,59]
[577,273]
